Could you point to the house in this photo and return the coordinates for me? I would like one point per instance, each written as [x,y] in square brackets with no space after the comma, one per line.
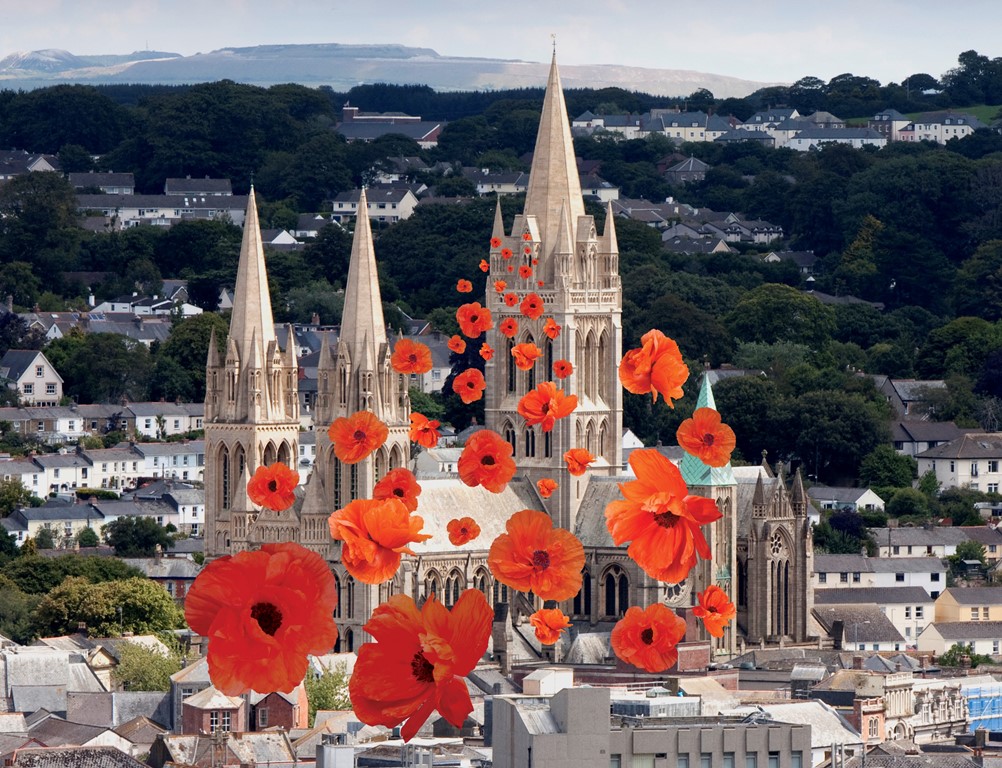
[768,118]
[17,162]
[853,499]
[864,626]
[123,211]
[597,188]
[280,710]
[889,123]
[399,168]
[178,461]
[189,187]
[911,437]
[432,380]
[969,604]
[691,169]
[386,204]
[907,608]
[932,541]
[743,133]
[497,182]
[368,126]
[805,260]
[437,461]
[189,503]
[941,127]
[984,637]
[858,571]
[161,420]
[989,538]
[821,119]
[68,757]
[30,373]
[309,225]
[969,461]
[232,749]
[210,711]
[107,182]
[115,468]
[906,395]
[174,574]
[857,138]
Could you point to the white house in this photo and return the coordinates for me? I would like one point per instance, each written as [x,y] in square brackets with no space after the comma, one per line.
[857,571]
[984,636]
[164,210]
[432,380]
[970,461]
[178,461]
[815,138]
[854,499]
[934,541]
[387,204]
[162,419]
[190,506]
[941,127]
[907,608]
[115,468]
[29,372]
[438,461]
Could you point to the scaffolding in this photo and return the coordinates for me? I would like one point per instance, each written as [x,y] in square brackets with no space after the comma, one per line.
[984,706]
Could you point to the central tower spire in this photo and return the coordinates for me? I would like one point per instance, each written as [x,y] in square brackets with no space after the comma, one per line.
[251,298]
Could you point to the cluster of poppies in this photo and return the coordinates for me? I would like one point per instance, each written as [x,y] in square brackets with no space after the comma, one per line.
[264,611]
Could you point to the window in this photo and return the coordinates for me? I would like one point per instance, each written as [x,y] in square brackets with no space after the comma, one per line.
[908,631]
[39,371]
[974,614]
[28,389]
[796,760]
[226,721]
[899,577]
[728,760]
[895,550]
[953,466]
[933,577]
[822,578]
[855,578]
[984,612]
[148,423]
[751,760]
[908,611]
[262,718]
[774,760]
[995,647]
[974,469]
[919,610]
[993,465]
[213,722]
[177,423]
[843,578]
[682,761]
[50,388]
[705,760]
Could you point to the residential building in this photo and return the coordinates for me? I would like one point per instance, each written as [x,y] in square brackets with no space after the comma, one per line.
[17,162]
[889,123]
[691,169]
[958,604]
[497,182]
[384,204]
[938,541]
[161,420]
[912,437]
[984,637]
[805,260]
[852,499]
[437,461]
[816,138]
[972,460]
[109,183]
[940,127]
[906,396]
[432,380]
[189,503]
[210,711]
[857,571]
[63,519]
[29,372]
[368,126]
[864,626]
[123,211]
[769,118]
[179,461]
[908,609]
[206,187]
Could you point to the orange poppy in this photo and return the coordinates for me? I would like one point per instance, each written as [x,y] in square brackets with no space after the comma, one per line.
[511,299]
[486,460]
[474,319]
[469,385]
[399,483]
[508,327]
[648,639]
[457,344]
[464,286]
[410,357]
[549,623]
[495,242]
[525,271]
[706,438]
[273,487]
[578,460]
[714,609]
[424,431]
[660,519]
[506,253]
[462,530]
[484,266]
[528,252]
[419,660]
[486,351]
[540,283]
[562,369]
[546,487]
[535,262]
[532,306]
[525,355]
[551,328]
[500,285]
[656,367]
[545,404]
[526,236]
[264,612]
[533,555]
[375,532]
[356,436]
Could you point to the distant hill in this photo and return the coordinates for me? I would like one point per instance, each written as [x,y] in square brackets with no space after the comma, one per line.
[344,66]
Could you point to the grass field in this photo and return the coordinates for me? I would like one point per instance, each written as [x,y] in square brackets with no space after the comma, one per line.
[984,112]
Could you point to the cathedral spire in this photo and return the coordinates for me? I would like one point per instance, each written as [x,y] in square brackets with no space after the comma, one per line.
[213,356]
[553,177]
[611,241]
[362,319]
[498,230]
[251,299]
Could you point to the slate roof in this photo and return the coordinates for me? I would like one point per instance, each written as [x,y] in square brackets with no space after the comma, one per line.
[835,494]
[921,760]
[863,623]
[968,630]
[862,564]
[925,431]
[57,732]
[977,445]
[919,536]
[982,534]
[190,186]
[590,525]
[878,595]
[367,131]
[976,595]
[16,361]
[75,757]
[263,748]
[211,698]
[165,567]
[102,179]
[840,133]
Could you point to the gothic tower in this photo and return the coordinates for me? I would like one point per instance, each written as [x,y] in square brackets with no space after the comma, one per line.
[251,409]
[576,273]
[358,377]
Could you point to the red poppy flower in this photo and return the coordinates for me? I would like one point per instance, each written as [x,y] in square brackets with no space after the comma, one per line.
[545,404]
[462,530]
[469,385]
[500,285]
[424,431]
[535,262]
[528,252]
[486,460]
[546,487]
[526,236]
[540,283]
[511,268]
[660,518]
[419,660]
[464,286]
[511,299]
[273,487]
[656,367]
[525,355]
[532,306]
[486,351]
[562,369]
[706,438]
[457,344]
[484,266]
[474,319]
[549,623]
[506,253]
[508,327]
[356,436]
[495,242]
[533,555]
[551,329]
[525,271]
[263,612]
[375,532]
[715,610]
[399,483]
[648,639]
[410,357]
[577,460]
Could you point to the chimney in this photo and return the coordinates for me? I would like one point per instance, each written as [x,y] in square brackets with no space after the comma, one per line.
[857,662]
[82,628]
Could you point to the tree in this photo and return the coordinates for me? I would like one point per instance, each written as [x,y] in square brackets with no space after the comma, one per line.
[329,690]
[38,222]
[968,550]
[908,503]
[102,367]
[38,575]
[13,495]
[955,656]
[179,369]
[427,405]
[45,538]
[87,538]
[141,668]
[773,312]
[886,467]
[136,536]
[16,608]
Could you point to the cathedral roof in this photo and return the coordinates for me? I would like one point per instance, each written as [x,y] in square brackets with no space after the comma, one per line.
[362,319]
[694,471]
[251,299]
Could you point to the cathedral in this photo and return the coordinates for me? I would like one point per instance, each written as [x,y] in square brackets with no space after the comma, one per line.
[759,555]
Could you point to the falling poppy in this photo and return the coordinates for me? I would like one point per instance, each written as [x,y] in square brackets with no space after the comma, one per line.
[469,385]
[263,612]
[495,242]
[549,623]
[540,283]
[546,486]
[526,354]
[562,369]
[545,404]
[457,344]
[528,252]
[655,367]
[486,351]
[499,286]
[474,319]
[486,460]
[550,328]
[411,357]
[419,660]
[273,487]
[532,306]
[399,483]
[525,271]
[462,530]
[706,438]
[511,299]
[484,266]
[533,555]
[464,286]
[526,236]
[508,327]
[356,436]
[648,638]
[577,460]
[506,253]
[660,519]
[535,262]
[511,268]
[424,431]
[374,534]
[714,609]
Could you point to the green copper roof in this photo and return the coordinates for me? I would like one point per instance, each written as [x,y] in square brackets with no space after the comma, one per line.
[694,471]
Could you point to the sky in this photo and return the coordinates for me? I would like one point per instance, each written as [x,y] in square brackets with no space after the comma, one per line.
[765,40]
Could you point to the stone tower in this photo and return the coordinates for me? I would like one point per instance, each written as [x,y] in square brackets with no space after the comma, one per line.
[579,274]
[251,409]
